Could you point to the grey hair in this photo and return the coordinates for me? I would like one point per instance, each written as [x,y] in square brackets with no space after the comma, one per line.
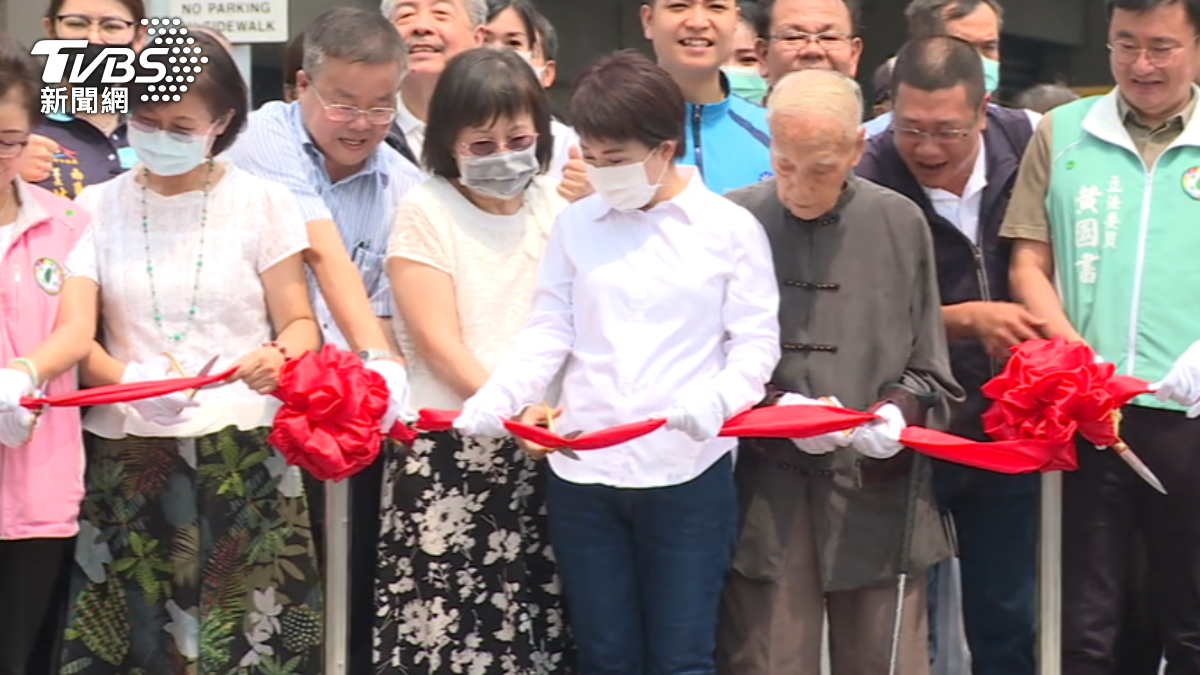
[929,17]
[1043,98]
[476,10]
[353,35]
[819,92]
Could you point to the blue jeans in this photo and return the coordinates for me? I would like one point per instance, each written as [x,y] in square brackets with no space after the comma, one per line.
[643,569]
[996,520]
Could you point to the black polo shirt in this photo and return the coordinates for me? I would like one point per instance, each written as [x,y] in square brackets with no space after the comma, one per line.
[87,156]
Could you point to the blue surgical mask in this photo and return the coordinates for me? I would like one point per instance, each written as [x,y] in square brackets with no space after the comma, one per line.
[745,81]
[168,154]
[991,74]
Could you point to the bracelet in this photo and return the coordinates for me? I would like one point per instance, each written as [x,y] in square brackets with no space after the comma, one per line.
[368,355]
[33,371]
[281,347]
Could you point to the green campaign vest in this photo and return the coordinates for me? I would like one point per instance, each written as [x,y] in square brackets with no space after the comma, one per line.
[1126,239]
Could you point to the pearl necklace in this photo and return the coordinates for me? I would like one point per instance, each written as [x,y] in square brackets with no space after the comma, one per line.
[191,313]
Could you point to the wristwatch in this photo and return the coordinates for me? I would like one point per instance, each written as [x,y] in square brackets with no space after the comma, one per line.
[374,354]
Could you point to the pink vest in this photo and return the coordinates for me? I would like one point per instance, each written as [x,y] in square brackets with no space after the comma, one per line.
[41,482]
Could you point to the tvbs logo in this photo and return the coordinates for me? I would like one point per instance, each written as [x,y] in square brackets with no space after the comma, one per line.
[84,71]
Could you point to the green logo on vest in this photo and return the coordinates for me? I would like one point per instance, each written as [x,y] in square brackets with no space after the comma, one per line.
[1191,182]
[49,275]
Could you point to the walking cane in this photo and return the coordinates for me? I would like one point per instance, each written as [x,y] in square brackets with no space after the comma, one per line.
[910,514]
[337,574]
[1050,576]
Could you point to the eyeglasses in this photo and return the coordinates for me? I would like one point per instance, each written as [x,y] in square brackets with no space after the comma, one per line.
[10,149]
[1125,52]
[338,112]
[79,24]
[180,136]
[485,147]
[795,39]
[941,136]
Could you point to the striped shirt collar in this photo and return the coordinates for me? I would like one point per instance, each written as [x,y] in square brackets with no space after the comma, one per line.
[374,166]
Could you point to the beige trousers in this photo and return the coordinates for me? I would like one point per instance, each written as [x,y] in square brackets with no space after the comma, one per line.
[775,627]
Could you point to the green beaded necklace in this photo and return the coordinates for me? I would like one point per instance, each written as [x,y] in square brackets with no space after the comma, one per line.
[191,314]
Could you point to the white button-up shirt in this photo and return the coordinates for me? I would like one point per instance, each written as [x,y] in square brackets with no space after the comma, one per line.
[963,211]
[645,308]
[413,128]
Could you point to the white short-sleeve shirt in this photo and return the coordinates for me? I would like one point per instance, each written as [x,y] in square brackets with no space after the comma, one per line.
[493,261]
[250,225]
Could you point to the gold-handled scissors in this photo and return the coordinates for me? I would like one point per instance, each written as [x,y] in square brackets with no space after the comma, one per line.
[549,424]
[1130,457]
[178,369]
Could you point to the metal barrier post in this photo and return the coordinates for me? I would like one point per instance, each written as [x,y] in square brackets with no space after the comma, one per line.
[337,574]
[1050,577]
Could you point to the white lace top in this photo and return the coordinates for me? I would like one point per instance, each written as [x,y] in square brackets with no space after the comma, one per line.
[493,261]
[251,225]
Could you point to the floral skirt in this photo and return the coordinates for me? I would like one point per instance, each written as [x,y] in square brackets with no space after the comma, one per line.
[194,557]
[467,582]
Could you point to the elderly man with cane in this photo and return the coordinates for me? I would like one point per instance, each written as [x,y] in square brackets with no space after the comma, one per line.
[841,524]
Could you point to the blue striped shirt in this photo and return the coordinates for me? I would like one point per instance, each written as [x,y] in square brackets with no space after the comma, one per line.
[276,146]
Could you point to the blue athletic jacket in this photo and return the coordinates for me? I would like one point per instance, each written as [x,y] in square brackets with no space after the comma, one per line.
[728,142]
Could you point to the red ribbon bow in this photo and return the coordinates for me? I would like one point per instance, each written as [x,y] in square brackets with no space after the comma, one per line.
[332,408]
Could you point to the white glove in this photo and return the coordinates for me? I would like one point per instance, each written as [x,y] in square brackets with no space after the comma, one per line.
[473,421]
[167,410]
[700,417]
[13,385]
[1182,383]
[16,427]
[880,439]
[16,422]
[397,383]
[816,445]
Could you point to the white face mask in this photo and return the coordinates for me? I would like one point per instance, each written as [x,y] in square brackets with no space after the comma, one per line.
[528,58]
[624,187]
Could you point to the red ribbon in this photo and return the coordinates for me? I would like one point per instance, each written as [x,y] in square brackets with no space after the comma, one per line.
[796,421]
[124,393]
[1049,390]
[329,422]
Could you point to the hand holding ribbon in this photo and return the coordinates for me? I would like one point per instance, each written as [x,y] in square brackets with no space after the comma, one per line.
[16,421]
[123,393]
[1182,383]
[1049,390]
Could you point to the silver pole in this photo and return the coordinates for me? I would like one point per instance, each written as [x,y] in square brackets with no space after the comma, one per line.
[337,575]
[1050,577]
[242,56]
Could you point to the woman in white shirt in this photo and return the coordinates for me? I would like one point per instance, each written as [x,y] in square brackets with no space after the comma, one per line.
[465,571]
[195,553]
[660,299]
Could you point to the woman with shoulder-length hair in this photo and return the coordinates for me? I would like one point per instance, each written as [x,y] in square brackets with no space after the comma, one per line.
[660,299]
[195,553]
[466,579]
[84,140]
[45,328]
